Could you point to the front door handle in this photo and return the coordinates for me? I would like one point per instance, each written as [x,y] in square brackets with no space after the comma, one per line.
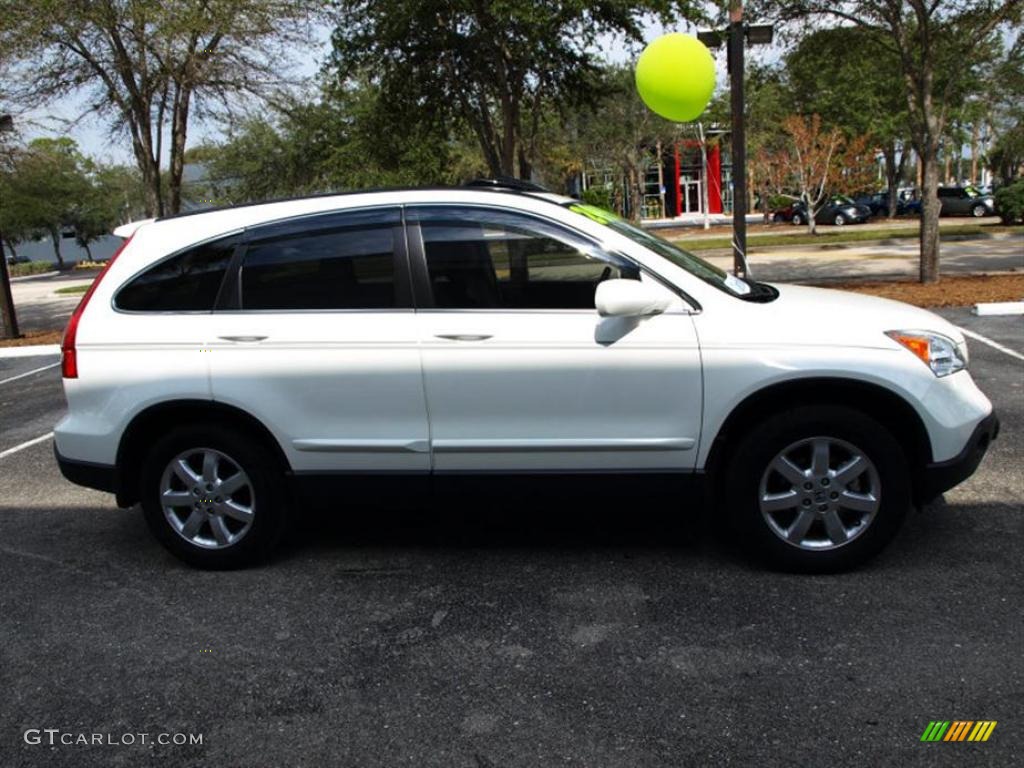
[242,338]
[463,336]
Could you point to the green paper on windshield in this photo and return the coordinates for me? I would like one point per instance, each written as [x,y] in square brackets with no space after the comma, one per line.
[592,212]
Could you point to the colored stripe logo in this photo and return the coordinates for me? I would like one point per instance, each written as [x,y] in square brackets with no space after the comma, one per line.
[958,730]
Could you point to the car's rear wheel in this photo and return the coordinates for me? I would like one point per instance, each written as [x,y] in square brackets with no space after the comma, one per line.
[817,489]
[978,211]
[798,219]
[778,218]
[213,497]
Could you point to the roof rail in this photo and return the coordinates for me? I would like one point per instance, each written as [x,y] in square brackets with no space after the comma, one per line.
[506,182]
[501,184]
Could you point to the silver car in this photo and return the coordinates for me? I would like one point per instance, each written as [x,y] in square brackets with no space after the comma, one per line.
[965,201]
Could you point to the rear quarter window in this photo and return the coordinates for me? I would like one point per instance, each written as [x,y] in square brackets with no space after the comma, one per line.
[186,282]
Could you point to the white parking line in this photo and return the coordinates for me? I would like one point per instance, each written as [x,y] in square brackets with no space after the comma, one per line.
[29,373]
[23,446]
[993,344]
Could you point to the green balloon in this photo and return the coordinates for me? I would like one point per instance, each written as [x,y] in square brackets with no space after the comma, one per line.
[675,76]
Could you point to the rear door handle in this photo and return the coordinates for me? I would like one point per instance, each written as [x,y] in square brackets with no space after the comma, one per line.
[463,336]
[242,338]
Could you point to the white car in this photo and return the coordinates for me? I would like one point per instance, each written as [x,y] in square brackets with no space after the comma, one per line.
[229,362]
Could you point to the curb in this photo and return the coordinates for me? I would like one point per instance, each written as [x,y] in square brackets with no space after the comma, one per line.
[33,350]
[23,278]
[996,308]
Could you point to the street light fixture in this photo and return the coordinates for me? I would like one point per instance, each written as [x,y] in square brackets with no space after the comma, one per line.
[734,36]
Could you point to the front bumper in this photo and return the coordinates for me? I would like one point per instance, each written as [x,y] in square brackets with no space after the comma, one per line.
[940,476]
[102,477]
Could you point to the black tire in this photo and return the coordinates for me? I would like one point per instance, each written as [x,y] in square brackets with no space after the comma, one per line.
[760,446]
[266,497]
[798,219]
[778,218]
[839,220]
[978,211]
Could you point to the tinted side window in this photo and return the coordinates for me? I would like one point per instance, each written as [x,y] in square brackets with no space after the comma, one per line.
[188,282]
[949,192]
[346,262]
[489,259]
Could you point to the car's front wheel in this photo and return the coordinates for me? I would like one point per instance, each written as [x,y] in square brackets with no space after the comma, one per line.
[798,219]
[213,497]
[978,211]
[817,489]
[840,220]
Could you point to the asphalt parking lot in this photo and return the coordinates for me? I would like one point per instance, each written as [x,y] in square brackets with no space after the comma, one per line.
[533,632]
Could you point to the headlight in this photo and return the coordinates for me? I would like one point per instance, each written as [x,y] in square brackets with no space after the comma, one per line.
[938,352]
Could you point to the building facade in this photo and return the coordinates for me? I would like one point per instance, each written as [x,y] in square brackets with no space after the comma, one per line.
[674,182]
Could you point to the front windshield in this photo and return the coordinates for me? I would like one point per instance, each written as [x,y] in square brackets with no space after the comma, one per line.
[972,191]
[842,200]
[695,265]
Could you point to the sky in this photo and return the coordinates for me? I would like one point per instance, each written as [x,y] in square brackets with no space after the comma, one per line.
[94,138]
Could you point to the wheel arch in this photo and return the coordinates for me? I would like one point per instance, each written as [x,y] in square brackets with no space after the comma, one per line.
[884,405]
[161,416]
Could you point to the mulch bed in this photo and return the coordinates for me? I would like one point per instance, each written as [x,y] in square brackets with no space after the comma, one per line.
[34,337]
[948,292]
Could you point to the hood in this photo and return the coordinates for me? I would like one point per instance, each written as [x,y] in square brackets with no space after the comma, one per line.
[841,317]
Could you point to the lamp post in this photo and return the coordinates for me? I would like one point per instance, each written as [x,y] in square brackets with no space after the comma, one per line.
[9,318]
[736,35]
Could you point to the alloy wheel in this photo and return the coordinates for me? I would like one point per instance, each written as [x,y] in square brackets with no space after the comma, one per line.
[207,498]
[819,493]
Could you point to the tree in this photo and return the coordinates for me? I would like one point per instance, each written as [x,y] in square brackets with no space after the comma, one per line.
[769,102]
[812,161]
[857,94]
[934,40]
[345,141]
[620,133]
[1007,116]
[494,67]
[148,65]
[112,197]
[42,190]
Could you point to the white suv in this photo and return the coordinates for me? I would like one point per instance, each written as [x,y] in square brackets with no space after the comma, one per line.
[228,362]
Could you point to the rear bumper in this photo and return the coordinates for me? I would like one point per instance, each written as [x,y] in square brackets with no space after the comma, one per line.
[102,477]
[943,475]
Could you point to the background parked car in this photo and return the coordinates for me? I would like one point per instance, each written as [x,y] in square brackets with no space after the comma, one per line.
[965,201]
[839,210]
[907,204]
[12,260]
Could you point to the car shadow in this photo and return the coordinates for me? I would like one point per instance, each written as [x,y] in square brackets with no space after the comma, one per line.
[480,514]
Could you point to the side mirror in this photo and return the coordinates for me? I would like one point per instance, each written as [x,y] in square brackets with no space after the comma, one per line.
[630,298]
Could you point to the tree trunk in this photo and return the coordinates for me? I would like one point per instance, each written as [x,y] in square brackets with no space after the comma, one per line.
[893,171]
[149,167]
[525,168]
[55,238]
[930,213]
[179,134]
[975,131]
[812,226]
[88,250]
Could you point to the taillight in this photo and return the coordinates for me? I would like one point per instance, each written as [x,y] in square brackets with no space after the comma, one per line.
[69,357]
